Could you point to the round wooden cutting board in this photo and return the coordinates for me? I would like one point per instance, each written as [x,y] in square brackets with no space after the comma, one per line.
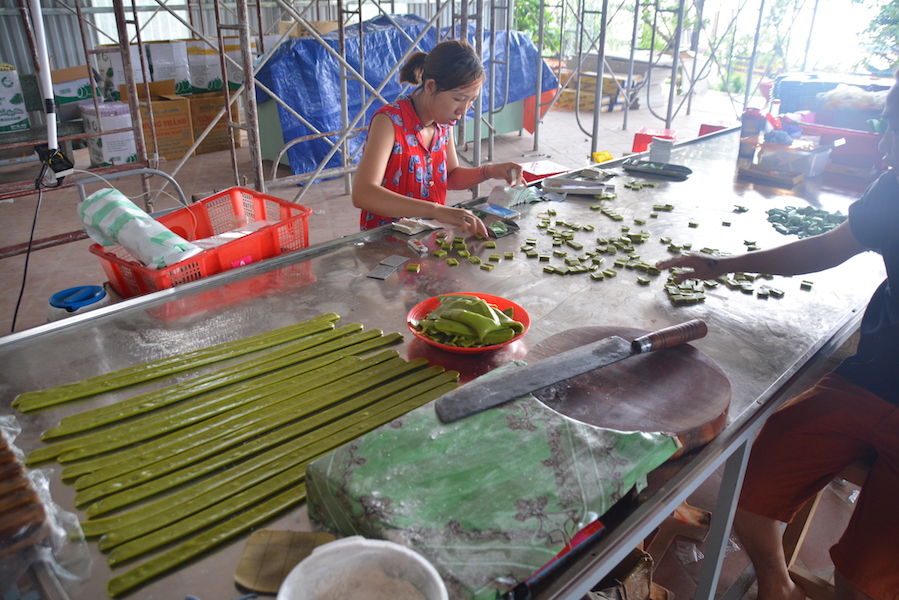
[678,390]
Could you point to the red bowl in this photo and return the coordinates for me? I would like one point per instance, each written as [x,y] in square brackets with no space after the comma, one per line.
[421,310]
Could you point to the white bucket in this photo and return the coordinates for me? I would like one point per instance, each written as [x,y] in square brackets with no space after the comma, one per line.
[333,565]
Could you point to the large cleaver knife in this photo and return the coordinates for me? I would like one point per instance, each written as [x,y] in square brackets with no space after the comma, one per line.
[490,391]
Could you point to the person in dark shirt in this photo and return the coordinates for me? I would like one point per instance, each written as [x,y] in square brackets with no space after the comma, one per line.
[850,414]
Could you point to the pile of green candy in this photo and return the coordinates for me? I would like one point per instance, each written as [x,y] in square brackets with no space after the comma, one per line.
[804,222]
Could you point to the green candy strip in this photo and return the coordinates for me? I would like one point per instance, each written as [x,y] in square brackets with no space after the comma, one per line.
[162,424]
[126,582]
[202,407]
[286,479]
[216,438]
[290,354]
[30,401]
[368,342]
[316,428]
[257,515]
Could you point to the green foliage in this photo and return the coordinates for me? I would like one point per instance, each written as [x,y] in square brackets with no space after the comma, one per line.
[527,20]
[882,37]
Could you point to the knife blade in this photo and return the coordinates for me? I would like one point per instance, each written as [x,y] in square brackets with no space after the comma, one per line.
[491,391]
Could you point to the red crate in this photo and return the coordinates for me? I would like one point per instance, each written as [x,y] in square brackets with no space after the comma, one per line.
[215,215]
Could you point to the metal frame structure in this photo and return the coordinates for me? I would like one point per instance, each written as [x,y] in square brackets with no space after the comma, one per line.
[255,20]
[16,189]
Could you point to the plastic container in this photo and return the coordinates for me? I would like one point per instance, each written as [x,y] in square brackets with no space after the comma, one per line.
[338,561]
[76,300]
[860,149]
[752,122]
[644,137]
[809,163]
[260,226]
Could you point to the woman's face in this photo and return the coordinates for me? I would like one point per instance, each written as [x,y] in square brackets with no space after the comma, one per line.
[449,106]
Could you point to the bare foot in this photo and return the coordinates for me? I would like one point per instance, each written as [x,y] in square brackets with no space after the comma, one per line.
[790,592]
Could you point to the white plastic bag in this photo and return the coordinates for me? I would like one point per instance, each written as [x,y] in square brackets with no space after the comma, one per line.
[111,218]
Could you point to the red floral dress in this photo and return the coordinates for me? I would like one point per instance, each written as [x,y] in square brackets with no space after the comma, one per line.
[412,170]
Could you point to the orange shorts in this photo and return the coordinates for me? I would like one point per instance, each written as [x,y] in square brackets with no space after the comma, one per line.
[805,444]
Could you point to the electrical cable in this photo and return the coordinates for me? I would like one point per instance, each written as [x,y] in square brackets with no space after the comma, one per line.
[40,195]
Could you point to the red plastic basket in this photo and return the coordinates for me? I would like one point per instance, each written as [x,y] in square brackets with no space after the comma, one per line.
[215,215]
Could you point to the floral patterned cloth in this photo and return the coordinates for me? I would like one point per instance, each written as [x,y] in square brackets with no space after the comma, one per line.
[488,499]
[412,169]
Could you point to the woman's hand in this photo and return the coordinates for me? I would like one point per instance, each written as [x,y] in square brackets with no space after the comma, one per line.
[703,266]
[511,172]
[462,220]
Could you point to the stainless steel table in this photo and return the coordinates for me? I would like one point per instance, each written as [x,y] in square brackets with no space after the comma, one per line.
[762,345]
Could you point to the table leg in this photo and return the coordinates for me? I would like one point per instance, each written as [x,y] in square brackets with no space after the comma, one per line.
[722,519]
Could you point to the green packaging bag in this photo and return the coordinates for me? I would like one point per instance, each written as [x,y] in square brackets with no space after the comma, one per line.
[488,499]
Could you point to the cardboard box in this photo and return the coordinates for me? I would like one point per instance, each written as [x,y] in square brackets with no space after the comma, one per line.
[71,86]
[171,114]
[205,67]
[322,27]
[13,116]
[109,66]
[203,109]
[109,148]
[168,60]
[235,74]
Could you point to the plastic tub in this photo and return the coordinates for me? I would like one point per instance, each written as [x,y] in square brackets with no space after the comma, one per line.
[334,564]
[809,163]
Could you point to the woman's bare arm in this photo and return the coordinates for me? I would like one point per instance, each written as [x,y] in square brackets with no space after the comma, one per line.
[807,255]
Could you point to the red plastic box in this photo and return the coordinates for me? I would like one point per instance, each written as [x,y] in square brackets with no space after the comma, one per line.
[218,214]
[643,138]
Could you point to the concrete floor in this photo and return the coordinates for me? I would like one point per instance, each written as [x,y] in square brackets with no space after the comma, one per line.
[561,137]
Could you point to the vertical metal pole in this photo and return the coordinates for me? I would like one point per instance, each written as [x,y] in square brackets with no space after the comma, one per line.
[635,32]
[226,93]
[694,48]
[722,518]
[249,95]
[260,28]
[128,68]
[675,65]
[344,112]
[600,70]
[478,106]
[755,47]
[463,35]
[539,92]
[42,67]
[491,54]
[811,29]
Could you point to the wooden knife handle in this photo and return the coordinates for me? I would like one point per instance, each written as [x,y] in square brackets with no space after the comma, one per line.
[671,336]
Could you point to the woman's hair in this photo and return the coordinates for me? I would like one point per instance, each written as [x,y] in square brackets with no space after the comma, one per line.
[451,64]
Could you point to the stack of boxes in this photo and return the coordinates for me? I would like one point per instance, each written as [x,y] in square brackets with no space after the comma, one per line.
[185,78]
[581,90]
[186,95]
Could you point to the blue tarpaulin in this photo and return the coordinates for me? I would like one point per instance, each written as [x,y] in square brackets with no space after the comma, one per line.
[306,77]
